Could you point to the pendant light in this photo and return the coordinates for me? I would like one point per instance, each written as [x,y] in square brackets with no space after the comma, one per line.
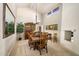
[36,16]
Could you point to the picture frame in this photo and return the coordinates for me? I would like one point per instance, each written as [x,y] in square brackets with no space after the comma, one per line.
[52,27]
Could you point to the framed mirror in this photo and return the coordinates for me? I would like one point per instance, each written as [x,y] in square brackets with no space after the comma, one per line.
[8,21]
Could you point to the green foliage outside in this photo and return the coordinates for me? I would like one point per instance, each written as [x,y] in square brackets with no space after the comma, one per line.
[10,27]
[20,28]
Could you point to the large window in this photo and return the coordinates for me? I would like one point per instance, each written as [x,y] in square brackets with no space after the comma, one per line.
[8,21]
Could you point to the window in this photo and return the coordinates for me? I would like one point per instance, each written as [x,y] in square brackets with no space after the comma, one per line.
[49,13]
[8,21]
[56,9]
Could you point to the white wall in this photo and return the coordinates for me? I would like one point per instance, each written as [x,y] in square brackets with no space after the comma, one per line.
[6,44]
[2,45]
[70,21]
[25,15]
[1,20]
[54,18]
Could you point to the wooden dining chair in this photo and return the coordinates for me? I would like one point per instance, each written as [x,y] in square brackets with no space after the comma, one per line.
[43,43]
[30,41]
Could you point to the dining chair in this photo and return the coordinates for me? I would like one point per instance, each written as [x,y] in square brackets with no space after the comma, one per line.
[43,44]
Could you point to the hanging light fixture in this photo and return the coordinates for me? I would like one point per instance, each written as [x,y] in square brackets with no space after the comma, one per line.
[36,16]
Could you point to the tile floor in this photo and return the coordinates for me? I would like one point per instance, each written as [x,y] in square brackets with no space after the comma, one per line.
[54,49]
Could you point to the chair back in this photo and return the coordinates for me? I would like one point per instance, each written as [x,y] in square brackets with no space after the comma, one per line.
[43,39]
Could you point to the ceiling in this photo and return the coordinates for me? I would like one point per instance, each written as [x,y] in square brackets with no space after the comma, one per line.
[41,7]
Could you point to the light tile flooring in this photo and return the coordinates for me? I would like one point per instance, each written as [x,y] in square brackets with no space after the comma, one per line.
[54,49]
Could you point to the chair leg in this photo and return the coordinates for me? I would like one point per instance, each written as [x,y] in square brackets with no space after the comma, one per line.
[34,48]
[39,50]
[46,50]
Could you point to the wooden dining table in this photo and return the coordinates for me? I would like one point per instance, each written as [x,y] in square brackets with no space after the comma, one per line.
[37,39]
[38,42]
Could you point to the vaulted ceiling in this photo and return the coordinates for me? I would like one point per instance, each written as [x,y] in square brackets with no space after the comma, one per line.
[41,7]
